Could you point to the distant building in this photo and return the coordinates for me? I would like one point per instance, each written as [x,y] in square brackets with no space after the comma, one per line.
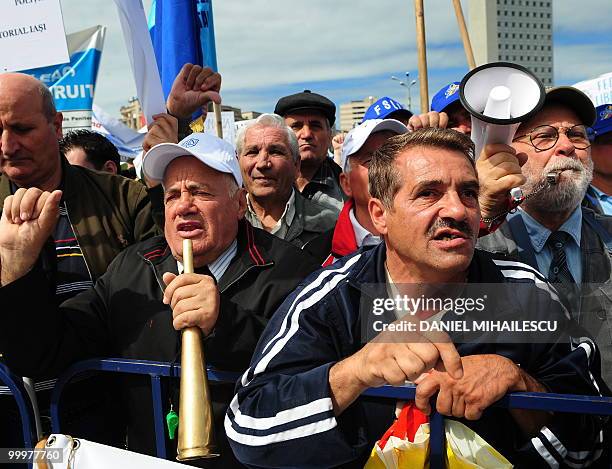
[131,114]
[517,31]
[225,108]
[247,115]
[133,117]
[352,113]
[239,115]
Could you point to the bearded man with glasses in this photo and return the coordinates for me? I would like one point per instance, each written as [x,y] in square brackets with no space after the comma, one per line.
[569,244]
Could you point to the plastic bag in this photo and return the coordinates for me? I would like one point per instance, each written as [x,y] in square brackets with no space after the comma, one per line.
[405,445]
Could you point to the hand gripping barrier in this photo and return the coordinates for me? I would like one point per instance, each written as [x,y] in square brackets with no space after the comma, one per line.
[568,403]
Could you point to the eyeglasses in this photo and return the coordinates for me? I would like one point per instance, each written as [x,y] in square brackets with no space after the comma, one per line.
[545,137]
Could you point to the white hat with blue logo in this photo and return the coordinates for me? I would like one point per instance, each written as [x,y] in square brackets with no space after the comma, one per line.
[355,139]
[210,150]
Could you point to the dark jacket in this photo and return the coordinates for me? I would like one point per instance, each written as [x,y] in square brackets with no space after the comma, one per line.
[324,187]
[310,220]
[594,311]
[283,415]
[123,316]
[592,201]
[107,212]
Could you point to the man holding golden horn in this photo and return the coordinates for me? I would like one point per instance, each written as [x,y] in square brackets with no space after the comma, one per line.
[136,309]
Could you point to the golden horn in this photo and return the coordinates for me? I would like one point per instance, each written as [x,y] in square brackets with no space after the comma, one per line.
[195,431]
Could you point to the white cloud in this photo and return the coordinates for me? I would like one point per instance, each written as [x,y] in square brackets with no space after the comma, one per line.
[574,63]
[317,40]
[346,46]
[589,17]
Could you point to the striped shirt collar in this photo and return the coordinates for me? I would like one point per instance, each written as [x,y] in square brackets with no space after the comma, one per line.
[219,265]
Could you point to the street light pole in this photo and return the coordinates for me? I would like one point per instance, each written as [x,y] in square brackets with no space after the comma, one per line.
[406,84]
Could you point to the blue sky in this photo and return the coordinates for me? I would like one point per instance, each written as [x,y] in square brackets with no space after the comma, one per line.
[344,49]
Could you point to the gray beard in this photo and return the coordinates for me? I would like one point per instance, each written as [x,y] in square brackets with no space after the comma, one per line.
[564,196]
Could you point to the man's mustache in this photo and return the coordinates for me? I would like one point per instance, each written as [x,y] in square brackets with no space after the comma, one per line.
[563,165]
[462,226]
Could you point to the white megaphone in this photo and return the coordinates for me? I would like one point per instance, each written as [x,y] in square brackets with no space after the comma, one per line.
[499,96]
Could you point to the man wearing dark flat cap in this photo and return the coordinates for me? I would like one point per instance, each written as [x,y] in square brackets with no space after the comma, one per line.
[311,116]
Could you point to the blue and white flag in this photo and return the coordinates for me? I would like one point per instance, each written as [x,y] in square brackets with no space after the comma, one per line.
[182,31]
[142,57]
[73,84]
[207,33]
[127,141]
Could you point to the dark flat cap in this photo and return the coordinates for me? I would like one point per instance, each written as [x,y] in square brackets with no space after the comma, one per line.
[574,99]
[306,100]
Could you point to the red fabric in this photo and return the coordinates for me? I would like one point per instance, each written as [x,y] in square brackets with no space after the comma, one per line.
[406,425]
[329,261]
[343,241]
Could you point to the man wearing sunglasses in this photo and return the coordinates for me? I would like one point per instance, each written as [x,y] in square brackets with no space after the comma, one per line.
[571,245]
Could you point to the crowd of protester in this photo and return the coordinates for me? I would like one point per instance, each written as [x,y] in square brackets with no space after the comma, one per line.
[296,232]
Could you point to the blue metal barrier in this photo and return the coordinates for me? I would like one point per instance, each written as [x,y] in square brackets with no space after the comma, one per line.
[156,370]
[534,401]
[24,405]
[569,403]
[15,384]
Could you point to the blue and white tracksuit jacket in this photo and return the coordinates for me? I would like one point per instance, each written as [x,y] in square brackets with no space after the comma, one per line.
[282,414]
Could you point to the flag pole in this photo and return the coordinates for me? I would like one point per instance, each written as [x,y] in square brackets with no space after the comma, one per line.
[209,50]
[422,54]
[465,37]
[218,121]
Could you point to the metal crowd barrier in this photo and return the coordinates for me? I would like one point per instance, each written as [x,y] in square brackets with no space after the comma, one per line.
[569,403]
[156,371]
[24,405]
[534,401]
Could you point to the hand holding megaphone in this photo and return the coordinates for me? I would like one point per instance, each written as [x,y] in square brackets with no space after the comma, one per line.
[500,96]
[499,170]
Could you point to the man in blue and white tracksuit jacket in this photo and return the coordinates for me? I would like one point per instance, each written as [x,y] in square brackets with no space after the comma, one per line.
[295,406]
[282,415]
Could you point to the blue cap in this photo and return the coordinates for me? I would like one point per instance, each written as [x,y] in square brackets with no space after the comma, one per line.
[445,97]
[385,106]
[603,125]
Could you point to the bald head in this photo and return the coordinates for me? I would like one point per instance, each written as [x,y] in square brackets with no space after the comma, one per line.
[19,84]
[30,129]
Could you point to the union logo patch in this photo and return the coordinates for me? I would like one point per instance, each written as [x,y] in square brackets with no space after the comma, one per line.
[451,90]
[606,113]
[192,142]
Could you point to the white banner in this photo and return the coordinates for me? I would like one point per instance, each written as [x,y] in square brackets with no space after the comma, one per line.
[240,124]
[227,122]
[598,89]
[31,35]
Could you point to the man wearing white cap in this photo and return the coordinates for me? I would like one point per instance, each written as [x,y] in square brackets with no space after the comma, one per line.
[354,227]
[138,307]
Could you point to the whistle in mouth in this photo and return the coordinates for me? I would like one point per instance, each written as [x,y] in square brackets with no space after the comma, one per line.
[552,178]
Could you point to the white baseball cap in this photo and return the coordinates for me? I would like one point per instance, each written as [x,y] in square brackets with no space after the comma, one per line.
[210,150]
[355,139]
